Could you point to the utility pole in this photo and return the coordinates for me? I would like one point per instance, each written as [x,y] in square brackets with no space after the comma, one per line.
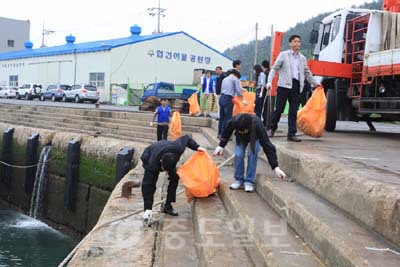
[153,11]
[45,32]
[256,45]
[255,51]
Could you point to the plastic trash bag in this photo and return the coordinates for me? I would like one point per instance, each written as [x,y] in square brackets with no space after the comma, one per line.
[200,175]
[194,107]
[311,118]
[239,107]
[175,130]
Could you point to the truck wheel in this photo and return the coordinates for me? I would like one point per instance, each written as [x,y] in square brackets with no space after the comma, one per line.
[331,115]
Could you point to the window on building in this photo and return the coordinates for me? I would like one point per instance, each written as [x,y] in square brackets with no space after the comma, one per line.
[96,78]
[13,81]
[10,43]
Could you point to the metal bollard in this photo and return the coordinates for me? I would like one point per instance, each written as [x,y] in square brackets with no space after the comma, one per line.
[72,176]
[7,157]
[124,163]
[31,159]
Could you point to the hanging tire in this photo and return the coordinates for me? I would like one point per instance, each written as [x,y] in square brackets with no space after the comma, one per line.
[331,111]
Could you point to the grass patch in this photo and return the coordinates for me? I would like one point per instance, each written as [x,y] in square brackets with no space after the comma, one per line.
[97,172]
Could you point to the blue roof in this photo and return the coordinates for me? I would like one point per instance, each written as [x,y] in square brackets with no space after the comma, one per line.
[96,46]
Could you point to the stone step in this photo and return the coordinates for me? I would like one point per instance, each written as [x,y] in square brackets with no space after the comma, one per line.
[133,115]
[111,122]
[176,246]
[94,129]
[274,243]
[373,203]
[217,241]
[336,238]
[76,130]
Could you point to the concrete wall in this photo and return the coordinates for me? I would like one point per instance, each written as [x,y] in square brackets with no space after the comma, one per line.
[12,29]
[90,197]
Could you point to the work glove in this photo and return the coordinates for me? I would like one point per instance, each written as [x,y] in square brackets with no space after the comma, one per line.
[201,149]
[148,215]
[151,124]
[218,151]
[269,85]
[280,173]
[244,101]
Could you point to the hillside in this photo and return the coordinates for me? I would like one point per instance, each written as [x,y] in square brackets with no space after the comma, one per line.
[245,52]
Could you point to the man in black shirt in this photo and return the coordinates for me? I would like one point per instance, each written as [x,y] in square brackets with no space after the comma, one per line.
[158,157]
[218,83]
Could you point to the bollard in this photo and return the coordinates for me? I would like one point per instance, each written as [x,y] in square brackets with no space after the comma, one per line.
[31,159]
[7,157]
[124,163]
[72,176]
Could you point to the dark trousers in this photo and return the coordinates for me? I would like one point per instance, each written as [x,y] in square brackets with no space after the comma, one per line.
[282,96]
[225,112]
[149,188]
[162,132]
[261,104]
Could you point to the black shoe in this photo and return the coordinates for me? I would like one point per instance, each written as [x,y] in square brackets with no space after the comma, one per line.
[293,138]
[170,210]
[271,133]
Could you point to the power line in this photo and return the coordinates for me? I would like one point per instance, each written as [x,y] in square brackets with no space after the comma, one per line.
[157,11]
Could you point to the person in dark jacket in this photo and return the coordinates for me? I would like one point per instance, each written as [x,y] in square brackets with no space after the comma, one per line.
[220,75]
[249,130]
[163,156]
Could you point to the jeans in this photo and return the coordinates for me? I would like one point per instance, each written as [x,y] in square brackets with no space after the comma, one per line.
[240,153]
[225,112]
[282,96]
[162,132]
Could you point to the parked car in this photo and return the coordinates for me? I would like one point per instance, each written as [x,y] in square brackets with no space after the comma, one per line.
[29,91]
[81,92]
[54,92]
[8,91]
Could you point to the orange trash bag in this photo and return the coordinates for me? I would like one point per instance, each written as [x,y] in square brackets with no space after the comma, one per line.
[194,107]
[239,107]
[175,129]
[200,175]
[311,118]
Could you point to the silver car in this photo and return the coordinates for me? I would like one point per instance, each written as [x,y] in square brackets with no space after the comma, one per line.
[80,93]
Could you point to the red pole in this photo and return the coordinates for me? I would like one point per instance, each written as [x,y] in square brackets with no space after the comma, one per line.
[276,44]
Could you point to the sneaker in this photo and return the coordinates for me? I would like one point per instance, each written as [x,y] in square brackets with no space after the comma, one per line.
[236,185]
[248,187]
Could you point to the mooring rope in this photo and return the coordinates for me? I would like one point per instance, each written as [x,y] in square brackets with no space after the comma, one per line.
[72,253]
[27,166]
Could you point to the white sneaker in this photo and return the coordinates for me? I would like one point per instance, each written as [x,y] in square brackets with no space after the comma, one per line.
[248,187]
[236,185]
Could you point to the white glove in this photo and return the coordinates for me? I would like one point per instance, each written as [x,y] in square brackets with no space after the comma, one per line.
[147,215]
[151,123]
[269,85]
[218,151]
[280,173]
[244,101]
[201,149]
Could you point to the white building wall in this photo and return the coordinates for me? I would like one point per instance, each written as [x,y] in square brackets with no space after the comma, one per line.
[162,60]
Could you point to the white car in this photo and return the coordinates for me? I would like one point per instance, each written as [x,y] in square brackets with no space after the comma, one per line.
[8,92]
[80,93]
[29,91]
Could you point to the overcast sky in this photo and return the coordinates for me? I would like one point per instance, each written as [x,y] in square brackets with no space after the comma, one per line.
[219,23]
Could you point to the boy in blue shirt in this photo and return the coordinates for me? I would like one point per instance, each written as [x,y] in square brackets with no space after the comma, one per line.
[163,112]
